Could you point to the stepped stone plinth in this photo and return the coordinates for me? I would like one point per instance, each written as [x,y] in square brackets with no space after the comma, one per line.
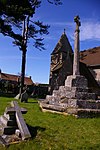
[72,100]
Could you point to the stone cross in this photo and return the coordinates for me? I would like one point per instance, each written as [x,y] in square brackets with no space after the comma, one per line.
[20,121]
[76,47]
[12,125]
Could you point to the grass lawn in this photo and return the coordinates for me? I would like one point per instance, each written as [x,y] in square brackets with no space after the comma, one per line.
[55,132]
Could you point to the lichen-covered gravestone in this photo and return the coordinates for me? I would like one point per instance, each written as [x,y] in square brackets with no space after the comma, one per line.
[12,125]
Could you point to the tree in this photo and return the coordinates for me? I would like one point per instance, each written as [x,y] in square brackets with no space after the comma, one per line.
[18,14]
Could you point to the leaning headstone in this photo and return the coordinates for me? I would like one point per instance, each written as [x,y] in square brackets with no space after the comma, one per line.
[17,96]
[24,97]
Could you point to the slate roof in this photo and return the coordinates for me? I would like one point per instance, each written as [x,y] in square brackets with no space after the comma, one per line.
[91,57]
[63,45]
[14,78]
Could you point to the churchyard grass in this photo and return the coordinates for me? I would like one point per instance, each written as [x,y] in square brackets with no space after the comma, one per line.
[55,132]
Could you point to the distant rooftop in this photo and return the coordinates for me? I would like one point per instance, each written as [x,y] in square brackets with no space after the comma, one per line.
[15,78]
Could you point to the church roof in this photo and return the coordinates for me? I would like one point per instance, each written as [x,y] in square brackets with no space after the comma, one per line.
[63,45]
[91,57]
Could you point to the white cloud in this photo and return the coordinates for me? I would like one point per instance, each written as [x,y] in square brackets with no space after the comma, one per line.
[90,31]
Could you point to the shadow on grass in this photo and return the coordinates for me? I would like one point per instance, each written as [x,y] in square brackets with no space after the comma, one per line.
[34,130]
[91,147]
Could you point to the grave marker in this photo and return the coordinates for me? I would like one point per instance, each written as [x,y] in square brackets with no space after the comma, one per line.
[12,123]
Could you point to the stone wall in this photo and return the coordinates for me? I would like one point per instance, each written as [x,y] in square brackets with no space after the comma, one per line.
[57,77]
[96,74]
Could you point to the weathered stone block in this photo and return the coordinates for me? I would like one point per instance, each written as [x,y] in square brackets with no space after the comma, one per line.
[76,81]
[72,103]
[56,93]
[53,107]
[86,113]
[48,98]
[79,89]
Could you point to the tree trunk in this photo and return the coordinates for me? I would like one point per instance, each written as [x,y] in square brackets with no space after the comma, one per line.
[24,50]
[22,71]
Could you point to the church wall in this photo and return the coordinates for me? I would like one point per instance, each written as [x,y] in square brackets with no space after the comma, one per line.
[58,77]
[96,74]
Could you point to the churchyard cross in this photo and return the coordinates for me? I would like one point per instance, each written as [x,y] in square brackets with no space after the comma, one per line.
[76,47]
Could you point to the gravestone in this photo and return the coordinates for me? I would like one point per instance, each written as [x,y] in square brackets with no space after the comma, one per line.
[12,124]
[20,122]
[73,98]
[24,97]
[17,96]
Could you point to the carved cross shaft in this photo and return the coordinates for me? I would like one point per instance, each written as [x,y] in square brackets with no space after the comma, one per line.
[76,47]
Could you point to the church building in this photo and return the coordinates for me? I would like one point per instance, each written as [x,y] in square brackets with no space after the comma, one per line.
[62,65]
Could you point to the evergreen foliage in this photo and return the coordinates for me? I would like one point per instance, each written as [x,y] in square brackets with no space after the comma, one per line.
[18,15]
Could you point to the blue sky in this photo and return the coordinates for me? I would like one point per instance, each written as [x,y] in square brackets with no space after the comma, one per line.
[58,17]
